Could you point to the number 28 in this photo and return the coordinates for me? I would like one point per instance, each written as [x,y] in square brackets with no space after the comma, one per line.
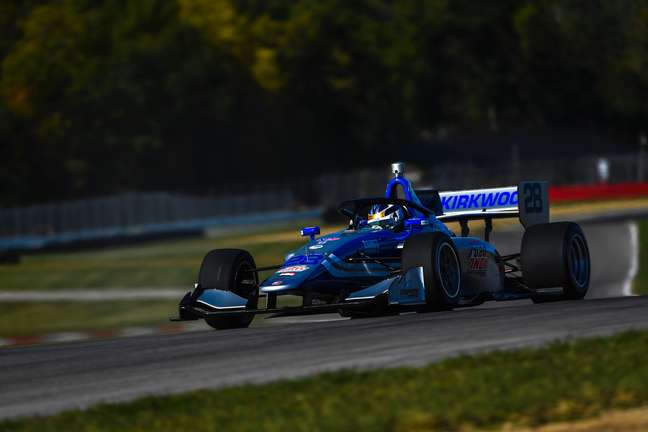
[533,198]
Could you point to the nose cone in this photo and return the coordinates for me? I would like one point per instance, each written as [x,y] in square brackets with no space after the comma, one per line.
[295,271]
[288,277]
[306,263]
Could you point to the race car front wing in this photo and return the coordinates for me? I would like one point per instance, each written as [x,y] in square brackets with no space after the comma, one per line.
[405,289]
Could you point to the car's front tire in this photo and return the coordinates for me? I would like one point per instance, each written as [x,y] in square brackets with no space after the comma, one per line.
[227,269]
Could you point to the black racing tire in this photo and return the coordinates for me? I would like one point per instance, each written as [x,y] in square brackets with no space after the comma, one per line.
[436,253]
[556,255]
[224,269]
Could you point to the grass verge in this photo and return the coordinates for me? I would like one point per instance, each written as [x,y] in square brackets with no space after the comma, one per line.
[640,283]
[561,382]
[28,319]
[160,264]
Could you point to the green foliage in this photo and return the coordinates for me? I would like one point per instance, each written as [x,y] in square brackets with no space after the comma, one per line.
[564,381]
[161,264]
[154,265]
[103,96]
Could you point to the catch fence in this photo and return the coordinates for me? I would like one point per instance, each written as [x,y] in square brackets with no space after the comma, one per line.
[133,210]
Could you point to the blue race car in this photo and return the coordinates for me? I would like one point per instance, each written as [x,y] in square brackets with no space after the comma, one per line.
[397,255]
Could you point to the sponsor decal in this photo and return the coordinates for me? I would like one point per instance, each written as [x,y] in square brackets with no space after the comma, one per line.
[317,246]
[480,200]
[477,260]
[311,258]
[293,269]
[370,246]
[286,274]
[323,240]
[276,283]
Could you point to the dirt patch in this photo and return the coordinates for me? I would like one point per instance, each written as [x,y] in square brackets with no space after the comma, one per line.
[633,420]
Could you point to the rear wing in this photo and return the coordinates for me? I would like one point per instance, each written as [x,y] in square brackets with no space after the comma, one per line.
[529,201]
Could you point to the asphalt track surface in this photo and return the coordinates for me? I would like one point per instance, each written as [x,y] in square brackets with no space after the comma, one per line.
[46,379]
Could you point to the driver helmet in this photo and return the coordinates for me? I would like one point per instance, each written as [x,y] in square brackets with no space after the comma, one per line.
[385,215]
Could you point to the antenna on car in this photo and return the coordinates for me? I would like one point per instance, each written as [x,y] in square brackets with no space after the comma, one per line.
[398,168]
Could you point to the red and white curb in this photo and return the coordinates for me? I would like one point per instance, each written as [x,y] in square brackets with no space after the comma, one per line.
[74,336]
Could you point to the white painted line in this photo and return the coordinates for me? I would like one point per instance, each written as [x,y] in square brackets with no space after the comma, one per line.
[191,326]
[65,337]
[634,258]
[137,331]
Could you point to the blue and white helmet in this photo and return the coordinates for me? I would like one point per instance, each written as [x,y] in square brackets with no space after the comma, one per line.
[386,215]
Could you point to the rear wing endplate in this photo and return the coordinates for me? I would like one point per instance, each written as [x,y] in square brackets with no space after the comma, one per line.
[529,201]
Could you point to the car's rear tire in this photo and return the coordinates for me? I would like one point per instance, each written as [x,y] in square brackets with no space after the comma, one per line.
[225,269]
[436,253]
[556,255]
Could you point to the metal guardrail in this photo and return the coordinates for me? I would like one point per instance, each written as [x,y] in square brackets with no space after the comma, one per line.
[116,235]
[135,212]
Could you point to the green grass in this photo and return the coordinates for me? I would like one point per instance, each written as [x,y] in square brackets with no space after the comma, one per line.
[160,264]
[26,319]
[563,381]
[29,319]
[640,284]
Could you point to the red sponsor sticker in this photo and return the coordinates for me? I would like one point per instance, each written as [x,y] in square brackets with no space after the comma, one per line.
[478,260]
[293,269]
